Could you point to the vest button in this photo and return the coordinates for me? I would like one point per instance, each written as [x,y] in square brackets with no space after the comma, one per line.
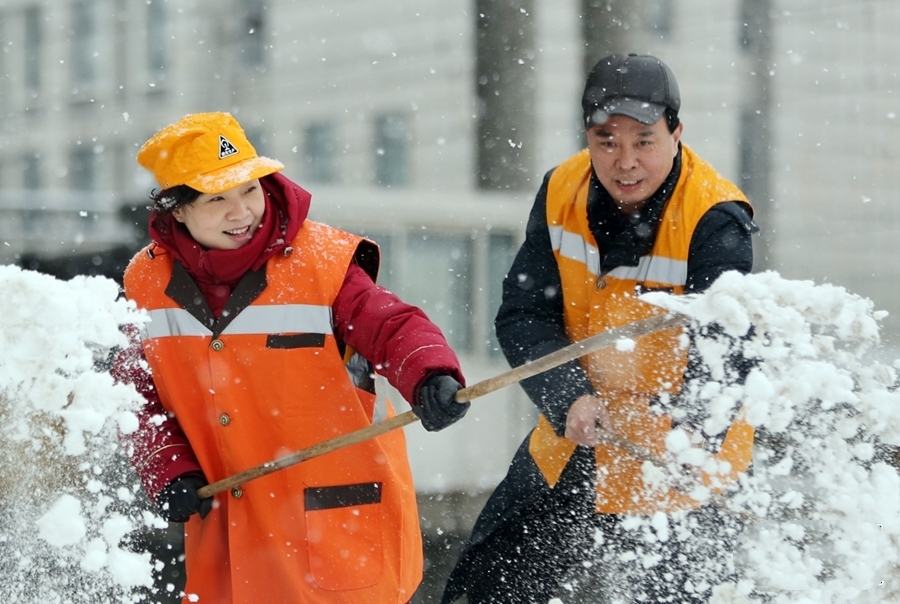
[237,492]
[601,283]
[217,345]
[224,419]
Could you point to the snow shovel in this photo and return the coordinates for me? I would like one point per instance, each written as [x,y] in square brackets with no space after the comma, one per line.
[532,368]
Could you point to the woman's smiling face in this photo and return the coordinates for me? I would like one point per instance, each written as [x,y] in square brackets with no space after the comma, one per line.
[226,220]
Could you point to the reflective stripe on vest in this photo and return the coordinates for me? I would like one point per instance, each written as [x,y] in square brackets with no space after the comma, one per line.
[269,319]
[659,269]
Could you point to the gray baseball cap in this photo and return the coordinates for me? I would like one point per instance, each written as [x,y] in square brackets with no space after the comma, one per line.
[637,86]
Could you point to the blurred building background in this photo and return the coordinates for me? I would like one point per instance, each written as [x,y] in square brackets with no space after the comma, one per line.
[428,125]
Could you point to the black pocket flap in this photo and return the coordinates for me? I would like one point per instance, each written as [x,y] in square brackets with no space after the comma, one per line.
[296,340]
[324,498]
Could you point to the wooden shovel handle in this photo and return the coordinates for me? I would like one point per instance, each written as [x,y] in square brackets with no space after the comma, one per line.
[513,376]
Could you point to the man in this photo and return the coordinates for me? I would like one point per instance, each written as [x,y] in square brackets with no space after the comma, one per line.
[637,210]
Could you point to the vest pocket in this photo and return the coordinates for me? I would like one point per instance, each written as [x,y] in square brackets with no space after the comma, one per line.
[343,528]
[296,340]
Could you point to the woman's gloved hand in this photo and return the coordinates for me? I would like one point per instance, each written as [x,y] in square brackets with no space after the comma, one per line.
[179,499]
[436,404]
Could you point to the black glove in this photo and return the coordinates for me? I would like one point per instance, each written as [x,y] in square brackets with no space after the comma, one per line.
[179,499]
[436,405]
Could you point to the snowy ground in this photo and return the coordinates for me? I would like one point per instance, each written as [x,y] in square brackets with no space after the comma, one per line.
[823,501]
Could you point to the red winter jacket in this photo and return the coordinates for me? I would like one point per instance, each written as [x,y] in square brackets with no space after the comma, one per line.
[396,338]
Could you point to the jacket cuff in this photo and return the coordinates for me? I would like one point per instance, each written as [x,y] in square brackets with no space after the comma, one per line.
[417,368]
[166,464]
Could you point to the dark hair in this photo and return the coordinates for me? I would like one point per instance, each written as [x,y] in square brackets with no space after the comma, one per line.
[672,120]
[169,199]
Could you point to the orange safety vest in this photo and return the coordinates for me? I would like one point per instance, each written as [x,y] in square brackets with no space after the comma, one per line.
[339,528]
[628,380]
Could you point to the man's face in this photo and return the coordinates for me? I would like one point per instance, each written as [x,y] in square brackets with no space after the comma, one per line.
[631,159]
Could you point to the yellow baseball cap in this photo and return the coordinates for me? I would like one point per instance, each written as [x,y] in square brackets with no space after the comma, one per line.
[208,152]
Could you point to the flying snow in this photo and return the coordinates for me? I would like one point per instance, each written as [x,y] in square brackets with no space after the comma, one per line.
[68,501]
[821,504]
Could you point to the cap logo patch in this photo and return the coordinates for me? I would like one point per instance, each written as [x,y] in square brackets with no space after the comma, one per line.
[226,149]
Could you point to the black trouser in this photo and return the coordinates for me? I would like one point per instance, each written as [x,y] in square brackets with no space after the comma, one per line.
[676,558]
[523,559]
[557,546]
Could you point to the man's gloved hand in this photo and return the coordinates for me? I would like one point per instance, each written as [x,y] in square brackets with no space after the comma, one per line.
[436,405]
[179,499]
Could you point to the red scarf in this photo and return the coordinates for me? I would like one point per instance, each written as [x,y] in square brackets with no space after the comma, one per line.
[217,272]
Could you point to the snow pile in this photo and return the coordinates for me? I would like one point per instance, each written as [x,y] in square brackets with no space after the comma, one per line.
[822,503]
[67,497]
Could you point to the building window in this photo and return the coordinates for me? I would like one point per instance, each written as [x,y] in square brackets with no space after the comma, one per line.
[253,35]
[157,38]
[392,139]
[319,152]
[84,42]
[437,275]
[658,14]
[34,38]
[83,169]
[432,271]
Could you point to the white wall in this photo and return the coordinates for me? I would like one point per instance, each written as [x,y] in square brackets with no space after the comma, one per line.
[837,147]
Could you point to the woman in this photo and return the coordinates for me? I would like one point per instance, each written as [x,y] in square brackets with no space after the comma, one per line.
[264,330]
